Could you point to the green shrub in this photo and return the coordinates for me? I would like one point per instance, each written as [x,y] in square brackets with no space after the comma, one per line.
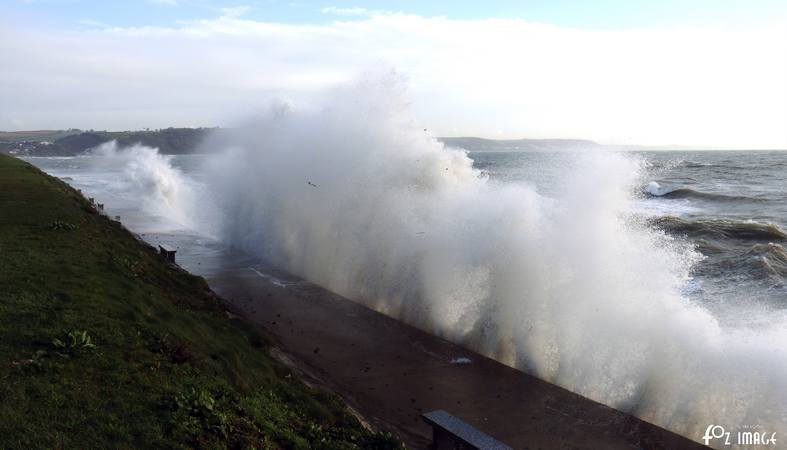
[58,225]
[74,341]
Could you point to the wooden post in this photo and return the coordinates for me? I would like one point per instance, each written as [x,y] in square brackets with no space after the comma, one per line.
[167,253]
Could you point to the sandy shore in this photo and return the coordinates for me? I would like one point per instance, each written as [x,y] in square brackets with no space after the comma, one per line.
[391,372]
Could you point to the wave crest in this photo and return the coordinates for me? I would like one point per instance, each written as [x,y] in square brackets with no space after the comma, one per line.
[721,229]
[653,189]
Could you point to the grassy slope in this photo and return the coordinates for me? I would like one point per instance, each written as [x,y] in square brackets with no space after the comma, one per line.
[162,364]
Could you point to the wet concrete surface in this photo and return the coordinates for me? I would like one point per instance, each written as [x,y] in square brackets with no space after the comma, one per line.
[391,372]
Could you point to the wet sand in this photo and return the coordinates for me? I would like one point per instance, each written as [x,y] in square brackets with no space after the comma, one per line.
[391,373]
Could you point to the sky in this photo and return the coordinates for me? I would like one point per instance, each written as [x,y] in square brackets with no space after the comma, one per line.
[699,73]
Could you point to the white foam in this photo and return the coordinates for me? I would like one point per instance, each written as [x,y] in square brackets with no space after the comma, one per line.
[654,188]
[273,280]
[142,177]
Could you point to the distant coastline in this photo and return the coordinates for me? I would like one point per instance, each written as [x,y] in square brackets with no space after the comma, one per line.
[185,141]
[170,141]
[182,141]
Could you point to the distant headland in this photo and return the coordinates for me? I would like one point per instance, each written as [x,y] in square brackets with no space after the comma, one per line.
[181,141]
[72,142]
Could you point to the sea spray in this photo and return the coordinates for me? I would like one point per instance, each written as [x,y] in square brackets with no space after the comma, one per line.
[572,288]
[142,174]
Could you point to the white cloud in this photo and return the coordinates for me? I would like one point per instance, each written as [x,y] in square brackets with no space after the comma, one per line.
[235,11]
[93,24]
[510,78]
[354,11]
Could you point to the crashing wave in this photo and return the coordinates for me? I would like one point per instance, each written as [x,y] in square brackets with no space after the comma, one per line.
[357,198]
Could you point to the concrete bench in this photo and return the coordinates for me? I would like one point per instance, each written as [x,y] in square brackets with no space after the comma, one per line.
[452,433]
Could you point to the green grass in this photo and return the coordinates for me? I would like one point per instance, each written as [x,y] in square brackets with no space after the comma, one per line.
[104,345]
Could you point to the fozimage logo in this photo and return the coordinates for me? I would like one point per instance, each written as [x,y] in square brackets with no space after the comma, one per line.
[749,435]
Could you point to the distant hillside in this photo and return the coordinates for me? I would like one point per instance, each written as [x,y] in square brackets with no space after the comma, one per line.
[476,144]
[179,141]
[170,141]
[77,143]
[35,135]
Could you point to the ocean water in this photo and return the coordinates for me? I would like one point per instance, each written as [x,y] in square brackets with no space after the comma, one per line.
[731,206]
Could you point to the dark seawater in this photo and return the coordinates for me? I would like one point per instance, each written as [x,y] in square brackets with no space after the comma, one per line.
[732,205]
